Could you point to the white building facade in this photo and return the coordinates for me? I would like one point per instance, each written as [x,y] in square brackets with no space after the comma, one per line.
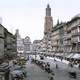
[27,44]
[20,45]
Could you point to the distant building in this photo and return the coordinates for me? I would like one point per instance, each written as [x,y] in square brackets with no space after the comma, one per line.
[27,44]
[36,46]
[20,45]
[23,45]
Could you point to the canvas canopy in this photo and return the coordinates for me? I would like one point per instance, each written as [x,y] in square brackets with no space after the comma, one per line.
[76,56]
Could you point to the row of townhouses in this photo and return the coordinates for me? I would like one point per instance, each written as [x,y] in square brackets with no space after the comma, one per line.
[23,45]
[64,37]
[36,46]
[8,51]
[7,44]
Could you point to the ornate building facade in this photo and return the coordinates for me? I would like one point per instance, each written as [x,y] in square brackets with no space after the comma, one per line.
[23,45]
[65,37]
[7,44]
[27,44]
[73,35]
[57,37]
[20,45]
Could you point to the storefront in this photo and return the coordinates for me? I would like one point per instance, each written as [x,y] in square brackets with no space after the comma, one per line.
[76,58]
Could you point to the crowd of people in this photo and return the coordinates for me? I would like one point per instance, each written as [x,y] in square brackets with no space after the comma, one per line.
[17,72]
[45,66]
[71,64]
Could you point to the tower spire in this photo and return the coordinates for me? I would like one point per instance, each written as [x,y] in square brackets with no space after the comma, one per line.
[48,10]
[48,20]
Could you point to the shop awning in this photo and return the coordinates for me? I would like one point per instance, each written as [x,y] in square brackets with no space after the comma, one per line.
[76,56]
[70,55]
[59,54]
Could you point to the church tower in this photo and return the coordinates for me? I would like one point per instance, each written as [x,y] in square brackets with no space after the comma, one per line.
[47,30]
[48,21]
[48,10]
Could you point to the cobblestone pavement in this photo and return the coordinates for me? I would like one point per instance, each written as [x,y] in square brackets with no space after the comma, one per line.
[62,72]
[36,73]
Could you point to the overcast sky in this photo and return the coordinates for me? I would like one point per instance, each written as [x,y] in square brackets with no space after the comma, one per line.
[28,15]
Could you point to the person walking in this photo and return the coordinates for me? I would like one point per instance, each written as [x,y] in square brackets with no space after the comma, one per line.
[57,66]
[79,66]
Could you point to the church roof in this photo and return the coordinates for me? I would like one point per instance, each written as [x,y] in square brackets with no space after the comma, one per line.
[76,16]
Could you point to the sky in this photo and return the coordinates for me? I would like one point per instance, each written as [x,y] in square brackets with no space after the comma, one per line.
[28,15]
